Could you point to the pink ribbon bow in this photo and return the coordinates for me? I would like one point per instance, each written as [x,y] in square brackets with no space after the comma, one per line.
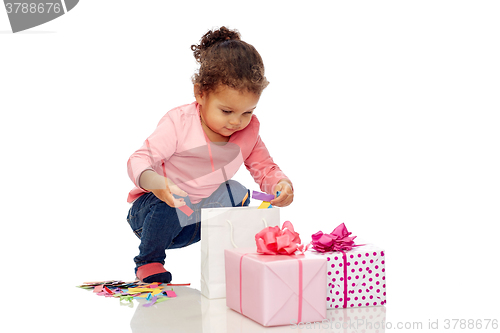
[337,240]
[272,240]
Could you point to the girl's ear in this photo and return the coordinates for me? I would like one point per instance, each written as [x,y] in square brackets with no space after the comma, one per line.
[198,94]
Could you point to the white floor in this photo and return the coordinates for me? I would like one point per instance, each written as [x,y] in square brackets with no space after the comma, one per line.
[191,312]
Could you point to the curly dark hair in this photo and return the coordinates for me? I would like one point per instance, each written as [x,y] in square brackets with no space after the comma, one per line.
[227,60]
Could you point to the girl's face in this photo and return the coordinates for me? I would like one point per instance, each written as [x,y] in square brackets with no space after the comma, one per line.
[225,111]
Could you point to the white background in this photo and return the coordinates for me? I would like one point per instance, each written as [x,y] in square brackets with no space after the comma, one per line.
[385,115]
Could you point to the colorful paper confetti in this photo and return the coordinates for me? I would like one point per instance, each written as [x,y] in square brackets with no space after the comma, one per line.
[128,291]
[265,198]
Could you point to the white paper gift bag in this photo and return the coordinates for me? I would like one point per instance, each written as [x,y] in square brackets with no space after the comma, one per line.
[228,228]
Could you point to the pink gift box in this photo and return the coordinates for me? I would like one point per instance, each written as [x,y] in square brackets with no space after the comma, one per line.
[276,290]
[365,272]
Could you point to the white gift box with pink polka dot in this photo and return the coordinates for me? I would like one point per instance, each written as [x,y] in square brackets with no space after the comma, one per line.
[365,272]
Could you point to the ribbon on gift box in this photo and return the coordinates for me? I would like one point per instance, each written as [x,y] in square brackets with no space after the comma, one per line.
[300,288]
[276,241]
[337,240]
[273,240]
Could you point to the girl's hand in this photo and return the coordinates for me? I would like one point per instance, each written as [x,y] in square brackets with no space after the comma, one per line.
[165,194]
[286,196]
[162,188]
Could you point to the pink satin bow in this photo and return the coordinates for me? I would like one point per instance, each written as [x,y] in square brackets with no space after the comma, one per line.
[337,240]
[272,240]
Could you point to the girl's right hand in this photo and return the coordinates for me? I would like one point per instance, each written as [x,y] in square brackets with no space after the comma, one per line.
[163,188]
[165,194]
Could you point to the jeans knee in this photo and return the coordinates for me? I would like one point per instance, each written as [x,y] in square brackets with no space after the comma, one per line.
[237,189]
[230,193]
[239,193]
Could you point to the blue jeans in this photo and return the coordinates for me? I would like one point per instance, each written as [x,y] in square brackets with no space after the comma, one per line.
[161,227]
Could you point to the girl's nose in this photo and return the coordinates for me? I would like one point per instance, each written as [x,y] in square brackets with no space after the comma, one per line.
[235,121]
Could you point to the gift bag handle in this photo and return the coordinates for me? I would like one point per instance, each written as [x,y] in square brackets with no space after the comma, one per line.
[232,232]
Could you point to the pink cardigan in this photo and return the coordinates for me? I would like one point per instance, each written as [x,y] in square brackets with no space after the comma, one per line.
[178,149]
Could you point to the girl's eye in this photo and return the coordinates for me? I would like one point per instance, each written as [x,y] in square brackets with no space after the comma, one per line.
[229,112]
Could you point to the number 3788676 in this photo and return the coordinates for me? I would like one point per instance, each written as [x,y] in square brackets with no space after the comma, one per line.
[32,8]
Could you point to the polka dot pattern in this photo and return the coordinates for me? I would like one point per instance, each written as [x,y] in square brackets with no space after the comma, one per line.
[365,277]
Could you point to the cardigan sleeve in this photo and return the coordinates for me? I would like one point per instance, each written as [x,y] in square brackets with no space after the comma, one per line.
[264,171]
[155,151]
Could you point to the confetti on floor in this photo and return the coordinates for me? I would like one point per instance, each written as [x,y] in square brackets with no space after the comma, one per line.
[153,293]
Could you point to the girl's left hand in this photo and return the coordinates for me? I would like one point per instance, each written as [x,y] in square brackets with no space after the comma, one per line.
[286,195]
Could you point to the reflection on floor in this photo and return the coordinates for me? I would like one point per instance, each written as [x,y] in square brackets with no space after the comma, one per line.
[190,312]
